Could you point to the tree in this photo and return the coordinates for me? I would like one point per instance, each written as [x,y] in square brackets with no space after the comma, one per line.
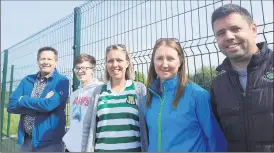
[140,77]
[204,76]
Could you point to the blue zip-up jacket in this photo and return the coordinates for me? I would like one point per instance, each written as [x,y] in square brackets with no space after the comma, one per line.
[191,127]
[50,118]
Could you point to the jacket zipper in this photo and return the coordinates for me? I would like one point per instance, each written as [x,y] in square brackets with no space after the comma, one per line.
[160,120]
[244,95]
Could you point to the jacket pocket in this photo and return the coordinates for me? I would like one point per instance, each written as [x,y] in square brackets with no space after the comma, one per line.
[233,128]
[262,128]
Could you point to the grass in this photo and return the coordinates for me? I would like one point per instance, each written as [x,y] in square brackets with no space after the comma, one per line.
[14,121]
[9,139]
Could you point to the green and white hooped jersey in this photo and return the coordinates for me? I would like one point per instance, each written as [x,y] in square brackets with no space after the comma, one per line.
[117,120]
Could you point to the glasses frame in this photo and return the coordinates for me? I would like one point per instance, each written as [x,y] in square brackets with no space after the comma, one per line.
[85,68]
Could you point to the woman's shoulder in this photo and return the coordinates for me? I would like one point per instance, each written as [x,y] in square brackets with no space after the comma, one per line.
[195,87]
[196,90]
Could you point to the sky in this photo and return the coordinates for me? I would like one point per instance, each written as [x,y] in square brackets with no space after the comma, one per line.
[20,19]
[137,24]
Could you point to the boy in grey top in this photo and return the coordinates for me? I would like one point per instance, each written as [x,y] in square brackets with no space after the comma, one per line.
[79,100]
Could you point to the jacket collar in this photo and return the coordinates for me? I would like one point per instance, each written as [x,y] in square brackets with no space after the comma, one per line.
[128,83]
[47,76]
[255,60]
[33,77]
[168,84]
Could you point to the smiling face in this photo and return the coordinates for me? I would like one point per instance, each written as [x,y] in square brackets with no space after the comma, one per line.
[236,37]
[84,71]
[166,63]
[47,62]
[116,64]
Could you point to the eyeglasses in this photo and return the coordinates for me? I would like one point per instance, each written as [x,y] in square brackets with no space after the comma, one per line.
[76,69]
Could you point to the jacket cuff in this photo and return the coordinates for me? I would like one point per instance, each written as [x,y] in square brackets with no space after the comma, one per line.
[22,100]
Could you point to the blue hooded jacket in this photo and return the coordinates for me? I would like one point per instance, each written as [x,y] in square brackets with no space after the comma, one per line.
[191,127]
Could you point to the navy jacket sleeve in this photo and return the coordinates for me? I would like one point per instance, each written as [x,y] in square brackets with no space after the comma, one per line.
[60,97]
[216,140]
[12,106]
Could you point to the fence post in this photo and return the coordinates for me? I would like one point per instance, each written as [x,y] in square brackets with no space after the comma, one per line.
[10,92]
[3,94]
[77,42]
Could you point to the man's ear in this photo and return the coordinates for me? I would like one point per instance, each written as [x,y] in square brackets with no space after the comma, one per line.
[56,64]
[253,27]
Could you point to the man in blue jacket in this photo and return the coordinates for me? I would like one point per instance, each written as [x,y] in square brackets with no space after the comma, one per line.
[40,99]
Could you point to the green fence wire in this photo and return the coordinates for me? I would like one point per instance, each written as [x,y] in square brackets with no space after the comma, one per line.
[137,24]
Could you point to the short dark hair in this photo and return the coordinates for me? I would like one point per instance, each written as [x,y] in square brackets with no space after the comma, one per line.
[227,9]
[85,58]
[47,49]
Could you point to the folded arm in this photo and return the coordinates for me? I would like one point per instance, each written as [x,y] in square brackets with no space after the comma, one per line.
[13,106]
[46,104]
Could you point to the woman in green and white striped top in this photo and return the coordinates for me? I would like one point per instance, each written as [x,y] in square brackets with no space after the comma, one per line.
[113,121]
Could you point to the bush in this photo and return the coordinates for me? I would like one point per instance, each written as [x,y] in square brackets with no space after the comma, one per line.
[204,76]
[140,77]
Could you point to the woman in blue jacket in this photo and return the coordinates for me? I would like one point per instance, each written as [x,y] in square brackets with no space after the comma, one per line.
[178,112]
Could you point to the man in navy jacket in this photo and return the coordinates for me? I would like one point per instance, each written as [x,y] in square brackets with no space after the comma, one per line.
[242,91]
[40,99]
